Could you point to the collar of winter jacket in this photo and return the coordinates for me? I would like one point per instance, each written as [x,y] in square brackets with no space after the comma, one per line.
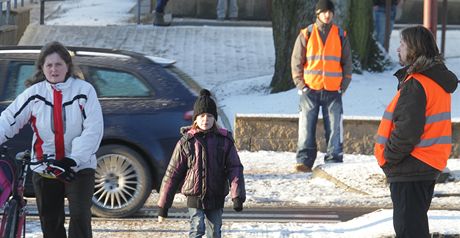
[323,27]
[190,132]
[60,86]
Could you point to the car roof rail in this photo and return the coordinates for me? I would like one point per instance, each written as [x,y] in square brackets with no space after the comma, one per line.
[77,50]
[92,51]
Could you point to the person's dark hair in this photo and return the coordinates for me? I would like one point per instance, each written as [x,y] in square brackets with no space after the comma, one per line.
[420,43]
[48,49]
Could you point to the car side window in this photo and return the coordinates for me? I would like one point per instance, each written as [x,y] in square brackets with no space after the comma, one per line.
[18,73]
[113,83]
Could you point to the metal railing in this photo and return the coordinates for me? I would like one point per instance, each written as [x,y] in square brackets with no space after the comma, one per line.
[5,6]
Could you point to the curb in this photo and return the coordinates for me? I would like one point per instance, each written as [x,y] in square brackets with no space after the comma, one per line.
[318,172]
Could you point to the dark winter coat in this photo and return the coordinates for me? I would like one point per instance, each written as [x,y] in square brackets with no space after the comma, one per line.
[206,164]
[382,3]
[409,120]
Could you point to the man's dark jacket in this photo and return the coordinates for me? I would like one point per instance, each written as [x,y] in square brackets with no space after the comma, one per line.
[409,121]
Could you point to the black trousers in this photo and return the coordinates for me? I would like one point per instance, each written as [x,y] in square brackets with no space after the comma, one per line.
[50,195]
[411,201]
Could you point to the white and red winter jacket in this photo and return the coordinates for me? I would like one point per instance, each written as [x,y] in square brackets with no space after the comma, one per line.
[82,121]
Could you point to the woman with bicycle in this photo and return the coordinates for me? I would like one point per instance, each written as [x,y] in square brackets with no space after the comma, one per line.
[66,119]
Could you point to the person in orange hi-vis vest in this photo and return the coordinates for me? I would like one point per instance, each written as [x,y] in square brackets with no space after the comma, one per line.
[415,134]
[321,70]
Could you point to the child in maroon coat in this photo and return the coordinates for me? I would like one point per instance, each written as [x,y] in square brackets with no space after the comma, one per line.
[206,162]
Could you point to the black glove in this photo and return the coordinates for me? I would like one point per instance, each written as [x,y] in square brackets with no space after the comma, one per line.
[237,204]
[62,170]
[163,212]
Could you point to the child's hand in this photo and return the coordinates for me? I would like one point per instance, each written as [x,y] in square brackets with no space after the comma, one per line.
[161,219]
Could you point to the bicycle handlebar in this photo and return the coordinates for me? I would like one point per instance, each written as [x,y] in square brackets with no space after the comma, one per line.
[25,158]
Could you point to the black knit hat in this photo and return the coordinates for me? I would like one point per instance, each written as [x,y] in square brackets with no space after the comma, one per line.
[204,104]
[324,5]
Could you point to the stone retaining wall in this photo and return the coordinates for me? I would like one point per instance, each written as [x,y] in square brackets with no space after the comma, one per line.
[255,132]
[19,19]
[247,9]
[8,34]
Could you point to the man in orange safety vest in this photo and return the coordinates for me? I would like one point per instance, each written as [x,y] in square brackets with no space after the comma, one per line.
[415,135]
[321,69]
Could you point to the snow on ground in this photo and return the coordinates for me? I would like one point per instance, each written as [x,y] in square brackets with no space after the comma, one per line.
[92,12]
[271,182]
[373,225]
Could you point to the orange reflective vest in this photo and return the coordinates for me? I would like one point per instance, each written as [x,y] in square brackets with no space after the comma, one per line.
[322,69]
[436,141]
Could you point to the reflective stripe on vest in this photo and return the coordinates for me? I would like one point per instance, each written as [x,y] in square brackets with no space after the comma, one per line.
[436,141]
[322,69]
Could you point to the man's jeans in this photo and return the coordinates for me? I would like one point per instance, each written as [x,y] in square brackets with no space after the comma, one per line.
[380,22]
[161,4]
[213,222]
[223,5]
[330,103]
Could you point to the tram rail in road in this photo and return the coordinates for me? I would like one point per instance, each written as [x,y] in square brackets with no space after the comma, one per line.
[274,214]
[265,214]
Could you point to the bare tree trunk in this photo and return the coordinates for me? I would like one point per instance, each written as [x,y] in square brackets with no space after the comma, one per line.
[288,18]
[367,55]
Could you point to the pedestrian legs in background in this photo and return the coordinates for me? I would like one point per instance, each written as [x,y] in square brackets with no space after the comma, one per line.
[380,22]
[158,15]
[227,5]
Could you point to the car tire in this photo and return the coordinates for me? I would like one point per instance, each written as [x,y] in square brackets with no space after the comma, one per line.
[122,182]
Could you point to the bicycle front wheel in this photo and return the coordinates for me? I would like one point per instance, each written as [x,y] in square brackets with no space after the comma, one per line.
[11,219]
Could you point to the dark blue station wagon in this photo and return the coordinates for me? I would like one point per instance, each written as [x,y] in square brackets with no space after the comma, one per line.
[144,104]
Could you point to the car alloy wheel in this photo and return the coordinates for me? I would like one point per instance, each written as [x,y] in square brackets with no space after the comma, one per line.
[122,182]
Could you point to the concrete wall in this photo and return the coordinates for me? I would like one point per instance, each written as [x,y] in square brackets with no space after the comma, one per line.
[279,133]
[8,34]
[412,12]
[20,18]
[247,9]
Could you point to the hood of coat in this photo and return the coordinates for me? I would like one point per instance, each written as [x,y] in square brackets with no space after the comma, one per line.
[432,68]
